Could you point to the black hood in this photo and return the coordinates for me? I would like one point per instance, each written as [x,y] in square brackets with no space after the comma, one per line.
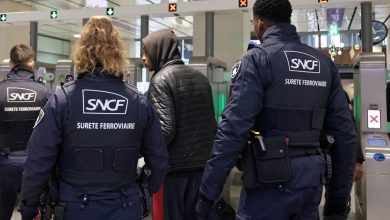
[162,46]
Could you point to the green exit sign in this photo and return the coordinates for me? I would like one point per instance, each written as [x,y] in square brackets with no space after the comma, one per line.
[3,17]
[53,14]
[110,11]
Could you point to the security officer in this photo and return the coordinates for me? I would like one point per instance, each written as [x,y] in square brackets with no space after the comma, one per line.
[91,134]
[284,92]
[21,99]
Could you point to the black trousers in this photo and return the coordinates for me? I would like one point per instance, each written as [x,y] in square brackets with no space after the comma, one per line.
[11,172]
[180,195]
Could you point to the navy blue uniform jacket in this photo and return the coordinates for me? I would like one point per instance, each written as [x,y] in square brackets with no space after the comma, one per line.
[259,79]
[48,138]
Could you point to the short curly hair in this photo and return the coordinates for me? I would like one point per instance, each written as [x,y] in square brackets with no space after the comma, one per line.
[273,10]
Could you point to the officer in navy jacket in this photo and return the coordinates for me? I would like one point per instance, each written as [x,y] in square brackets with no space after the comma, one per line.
[21,99]
[283,94]
[92,133]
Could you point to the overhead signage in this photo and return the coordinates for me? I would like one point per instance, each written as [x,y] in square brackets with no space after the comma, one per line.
[172,7]
[242,3]
[334,16]
[110,11]
[3,17]
[53,14]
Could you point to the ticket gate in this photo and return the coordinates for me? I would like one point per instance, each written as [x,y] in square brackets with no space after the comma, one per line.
[64,69]
[133,71]
[373,190]
[215,70]
[4,69]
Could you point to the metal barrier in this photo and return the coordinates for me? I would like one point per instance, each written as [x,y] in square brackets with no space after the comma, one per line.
[64,68]
[373,191]
[4,69]
[133,71]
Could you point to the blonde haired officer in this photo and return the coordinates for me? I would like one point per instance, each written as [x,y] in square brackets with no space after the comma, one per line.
[92,133]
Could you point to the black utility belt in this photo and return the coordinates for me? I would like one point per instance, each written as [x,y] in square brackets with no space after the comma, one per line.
[301,152]
[267,160]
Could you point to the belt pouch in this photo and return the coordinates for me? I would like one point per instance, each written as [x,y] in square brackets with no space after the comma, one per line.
[273,165]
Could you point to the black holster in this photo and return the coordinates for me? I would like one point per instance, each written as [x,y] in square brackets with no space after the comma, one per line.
[143,181]
[49,199]
[266,166]
[326,142]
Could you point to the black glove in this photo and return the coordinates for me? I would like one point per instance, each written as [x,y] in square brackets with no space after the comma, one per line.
[336,208]
[28,212]
[203,207]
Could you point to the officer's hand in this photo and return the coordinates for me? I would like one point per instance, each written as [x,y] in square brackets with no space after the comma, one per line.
[203,207]
[28,212]
[336,208]
[29,215]
[358,171]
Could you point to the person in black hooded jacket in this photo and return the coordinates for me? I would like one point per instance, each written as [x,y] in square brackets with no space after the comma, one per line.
[183,101]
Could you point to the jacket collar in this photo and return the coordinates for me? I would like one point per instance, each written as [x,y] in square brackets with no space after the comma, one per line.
[98,73]
[20,72]
[173,62]
[169,63]
[281,32]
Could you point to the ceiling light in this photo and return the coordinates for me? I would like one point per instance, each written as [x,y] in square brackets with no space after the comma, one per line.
[76,35]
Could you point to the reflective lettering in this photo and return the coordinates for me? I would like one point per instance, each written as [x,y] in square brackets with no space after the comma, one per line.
[110,105]
[21,96]
[306,64]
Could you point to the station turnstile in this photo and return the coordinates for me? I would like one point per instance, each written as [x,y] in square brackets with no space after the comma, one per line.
[64,68]
[373,190]
[4,69]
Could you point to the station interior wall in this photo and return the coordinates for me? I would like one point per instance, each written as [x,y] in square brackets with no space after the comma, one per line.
[232,31]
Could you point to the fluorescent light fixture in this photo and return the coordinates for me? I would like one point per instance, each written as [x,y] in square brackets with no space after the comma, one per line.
[76,35]
[96,3]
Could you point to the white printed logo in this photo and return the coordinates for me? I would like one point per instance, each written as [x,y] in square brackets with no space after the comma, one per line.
[236,69]
[103,102]
[40,117]
[302,62]
[15,94]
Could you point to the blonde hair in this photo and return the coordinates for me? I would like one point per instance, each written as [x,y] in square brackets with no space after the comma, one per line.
[100,43]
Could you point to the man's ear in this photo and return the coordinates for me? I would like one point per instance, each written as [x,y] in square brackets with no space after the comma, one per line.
[262,26]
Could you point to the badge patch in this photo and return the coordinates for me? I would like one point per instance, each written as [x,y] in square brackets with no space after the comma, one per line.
[40,117]
[236,69]
[15,94]
[103,102]
[302,62]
